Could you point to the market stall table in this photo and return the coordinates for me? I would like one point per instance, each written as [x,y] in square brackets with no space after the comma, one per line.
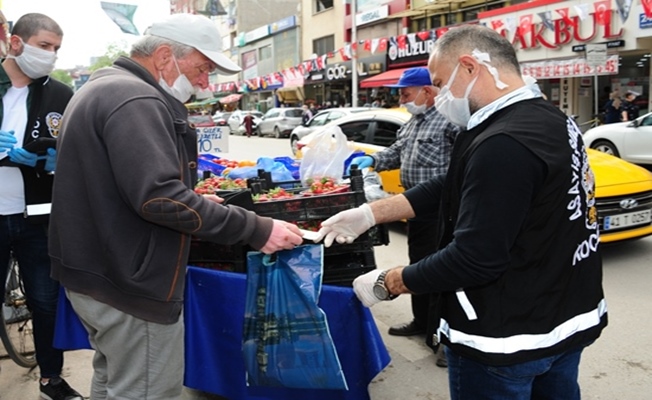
[214,316]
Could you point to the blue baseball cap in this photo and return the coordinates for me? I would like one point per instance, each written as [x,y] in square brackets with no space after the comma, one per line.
[413,77]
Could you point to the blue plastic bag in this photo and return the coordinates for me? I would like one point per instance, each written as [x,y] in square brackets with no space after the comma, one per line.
[286,341]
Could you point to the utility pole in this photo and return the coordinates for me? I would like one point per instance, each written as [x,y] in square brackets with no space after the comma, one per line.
[354,54]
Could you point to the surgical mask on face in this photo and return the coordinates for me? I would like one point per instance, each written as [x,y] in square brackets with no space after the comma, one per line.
[34,62]
[414,109]
[181,88]
[454,109]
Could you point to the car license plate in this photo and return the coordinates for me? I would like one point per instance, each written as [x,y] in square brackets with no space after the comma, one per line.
[624,220]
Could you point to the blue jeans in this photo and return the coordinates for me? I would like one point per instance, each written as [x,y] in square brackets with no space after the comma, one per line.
[29,243]
[546,378]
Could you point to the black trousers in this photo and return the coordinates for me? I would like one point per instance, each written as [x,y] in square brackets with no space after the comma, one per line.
[423,241]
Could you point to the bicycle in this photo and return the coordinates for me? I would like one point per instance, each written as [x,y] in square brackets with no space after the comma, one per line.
[16,329]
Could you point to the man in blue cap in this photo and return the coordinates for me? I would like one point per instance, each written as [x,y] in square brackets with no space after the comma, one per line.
[421,151]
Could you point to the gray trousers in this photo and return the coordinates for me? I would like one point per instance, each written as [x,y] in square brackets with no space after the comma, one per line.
[134,358]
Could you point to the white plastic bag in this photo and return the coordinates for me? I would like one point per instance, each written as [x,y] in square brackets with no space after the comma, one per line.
[324,156]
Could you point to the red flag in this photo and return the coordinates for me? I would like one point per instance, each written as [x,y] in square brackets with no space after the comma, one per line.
[441,32]
[343,54]
[525,24]
[497,24]
[565,15]
[602,12]
[330,54]
[382,44]
[367,45]
[647,7]
[424,35]
[402,41]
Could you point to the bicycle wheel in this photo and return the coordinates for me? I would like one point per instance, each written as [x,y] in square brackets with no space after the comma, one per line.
[16,320]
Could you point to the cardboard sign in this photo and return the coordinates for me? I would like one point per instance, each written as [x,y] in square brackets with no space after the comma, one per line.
[213,139]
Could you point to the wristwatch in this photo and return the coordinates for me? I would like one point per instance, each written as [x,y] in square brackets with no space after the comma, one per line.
[380,289]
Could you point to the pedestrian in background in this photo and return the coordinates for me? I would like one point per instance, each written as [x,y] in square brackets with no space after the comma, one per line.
[248,122]
[613,110]
[520,300]
[630,110]
[32,107]
[124,208]
[422,151]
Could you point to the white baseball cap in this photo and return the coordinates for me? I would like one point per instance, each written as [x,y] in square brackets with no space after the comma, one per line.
[195,31]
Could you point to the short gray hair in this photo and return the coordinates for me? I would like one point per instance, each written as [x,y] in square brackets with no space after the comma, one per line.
[146,46]
[464,39]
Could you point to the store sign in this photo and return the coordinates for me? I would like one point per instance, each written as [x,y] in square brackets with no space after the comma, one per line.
[610,45]
[213,139]
[569,68]
[370,16]
[337,71]
[644,21]
[596,54]
[284,24]
[417,50]
[565,32]
[256,34]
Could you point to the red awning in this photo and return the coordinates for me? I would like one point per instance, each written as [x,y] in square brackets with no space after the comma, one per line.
[386,78]
[232,98]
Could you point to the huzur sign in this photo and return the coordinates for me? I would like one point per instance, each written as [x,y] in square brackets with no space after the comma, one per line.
[409,48]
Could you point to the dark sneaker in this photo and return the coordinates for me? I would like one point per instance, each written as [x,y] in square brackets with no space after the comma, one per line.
[58,389]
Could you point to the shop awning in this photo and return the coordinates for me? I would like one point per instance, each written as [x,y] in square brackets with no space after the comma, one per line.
[386,78]
[232,98]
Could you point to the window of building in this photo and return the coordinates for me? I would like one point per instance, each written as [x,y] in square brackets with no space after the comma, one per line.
[422,24]
[435,21]
[321,5]
[265,53]
[323,45]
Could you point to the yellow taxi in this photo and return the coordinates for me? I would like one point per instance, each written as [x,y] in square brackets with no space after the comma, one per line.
[623,190]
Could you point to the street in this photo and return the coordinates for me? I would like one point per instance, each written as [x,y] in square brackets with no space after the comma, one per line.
[618,366]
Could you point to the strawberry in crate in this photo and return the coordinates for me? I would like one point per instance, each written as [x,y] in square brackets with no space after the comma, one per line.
[210,185]
[273,194]
[324,185]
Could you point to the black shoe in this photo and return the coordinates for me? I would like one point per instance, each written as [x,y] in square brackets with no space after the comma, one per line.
[440,357]
[409,329]
[58,389]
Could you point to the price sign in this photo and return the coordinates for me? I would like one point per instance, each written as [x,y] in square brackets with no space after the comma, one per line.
[213,139]
[596,54]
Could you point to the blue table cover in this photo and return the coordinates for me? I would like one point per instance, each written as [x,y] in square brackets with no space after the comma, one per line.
[214,317]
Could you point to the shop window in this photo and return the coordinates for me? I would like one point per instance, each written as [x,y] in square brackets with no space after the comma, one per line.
[321,5]
[265,53]
[323,45]
[435,22]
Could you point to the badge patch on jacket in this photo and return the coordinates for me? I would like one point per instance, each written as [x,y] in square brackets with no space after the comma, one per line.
[53,122]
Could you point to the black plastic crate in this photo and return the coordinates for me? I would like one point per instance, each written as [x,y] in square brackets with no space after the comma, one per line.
[342,269]
[218,256]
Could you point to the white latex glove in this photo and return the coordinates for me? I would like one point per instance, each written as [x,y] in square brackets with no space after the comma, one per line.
[363,287]
[285,236]
[347,225]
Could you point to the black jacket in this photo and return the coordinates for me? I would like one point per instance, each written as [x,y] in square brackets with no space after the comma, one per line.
[519,269]
[47,100]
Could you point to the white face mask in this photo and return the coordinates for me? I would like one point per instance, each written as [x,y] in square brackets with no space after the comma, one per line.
[181,89]
[454,109]
[414,109]
[34,62]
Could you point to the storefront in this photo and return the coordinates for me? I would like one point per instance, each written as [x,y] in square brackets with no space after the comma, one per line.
[551,39]
[331,86]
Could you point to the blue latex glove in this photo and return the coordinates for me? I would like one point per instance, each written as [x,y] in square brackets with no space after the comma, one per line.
[51,160]
[22,156]
[361,162]
[7,140]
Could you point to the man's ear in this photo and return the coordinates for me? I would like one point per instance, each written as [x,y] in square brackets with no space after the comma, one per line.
[468,65]
[15,44]
[162,56]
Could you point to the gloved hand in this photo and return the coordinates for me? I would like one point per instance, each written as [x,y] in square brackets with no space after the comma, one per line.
[285,236]
[51,160]
[347,225]
[361,162]
[7,140]
[22,156]
[363,287]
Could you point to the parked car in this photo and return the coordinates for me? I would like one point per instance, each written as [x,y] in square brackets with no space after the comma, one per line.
[279,122]
[201,120]
[320,119]
[236,118]
[631,141]
[623,190]
[221,118]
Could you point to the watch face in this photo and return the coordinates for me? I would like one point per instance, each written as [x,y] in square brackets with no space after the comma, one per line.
[380,291]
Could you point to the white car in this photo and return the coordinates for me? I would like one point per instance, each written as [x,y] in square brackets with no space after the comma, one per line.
[235,121]
[631,141]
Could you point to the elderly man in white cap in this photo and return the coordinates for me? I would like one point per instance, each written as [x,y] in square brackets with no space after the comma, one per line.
[124,208]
